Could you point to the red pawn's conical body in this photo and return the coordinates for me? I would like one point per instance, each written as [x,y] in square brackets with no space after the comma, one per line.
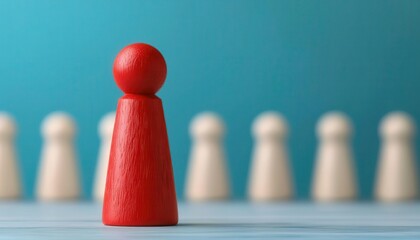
[140,188]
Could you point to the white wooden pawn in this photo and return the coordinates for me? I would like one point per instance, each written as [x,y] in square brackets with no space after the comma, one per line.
[10,184]
[334,178]
[207,177]
[105,130]
[270,177]
[397,175]
[58,177]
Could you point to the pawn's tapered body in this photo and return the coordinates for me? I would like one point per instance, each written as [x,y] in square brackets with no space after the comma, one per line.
[58,176]
[140,184]
[334,178]
[270,177]
[397,174]
[105,129]
[207,178]
[10,184]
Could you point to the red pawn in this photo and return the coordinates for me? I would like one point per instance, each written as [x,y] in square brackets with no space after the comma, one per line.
[140,187]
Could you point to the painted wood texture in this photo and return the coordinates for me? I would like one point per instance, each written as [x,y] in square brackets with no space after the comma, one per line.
[140,188]
[139,69]
[229,220]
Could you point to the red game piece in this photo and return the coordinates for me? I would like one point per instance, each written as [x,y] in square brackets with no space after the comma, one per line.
[140,187]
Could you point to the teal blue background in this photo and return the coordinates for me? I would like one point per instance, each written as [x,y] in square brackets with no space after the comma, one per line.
[238,58]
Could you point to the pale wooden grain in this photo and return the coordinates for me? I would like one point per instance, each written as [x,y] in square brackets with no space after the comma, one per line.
[58,176]
[207,178]
[105,129]
[397,178]
[270,176]
[334,176]
[10,183]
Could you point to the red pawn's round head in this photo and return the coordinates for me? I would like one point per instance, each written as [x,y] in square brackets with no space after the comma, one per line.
[139,69]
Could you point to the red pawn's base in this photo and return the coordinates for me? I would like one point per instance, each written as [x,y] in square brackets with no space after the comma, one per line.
[140,188]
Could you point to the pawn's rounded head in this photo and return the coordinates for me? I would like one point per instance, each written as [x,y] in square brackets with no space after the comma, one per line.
[397,124]
[270,124]
[58,125]
[139,69]
[207,125]
[106,125]
[7,125]
[334,125]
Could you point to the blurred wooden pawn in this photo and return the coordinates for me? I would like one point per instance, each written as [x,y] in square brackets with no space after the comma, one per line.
[270,178]
[58,177]
[105,129]
[397,175]
[10,184]
[334,178]
[207,177]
